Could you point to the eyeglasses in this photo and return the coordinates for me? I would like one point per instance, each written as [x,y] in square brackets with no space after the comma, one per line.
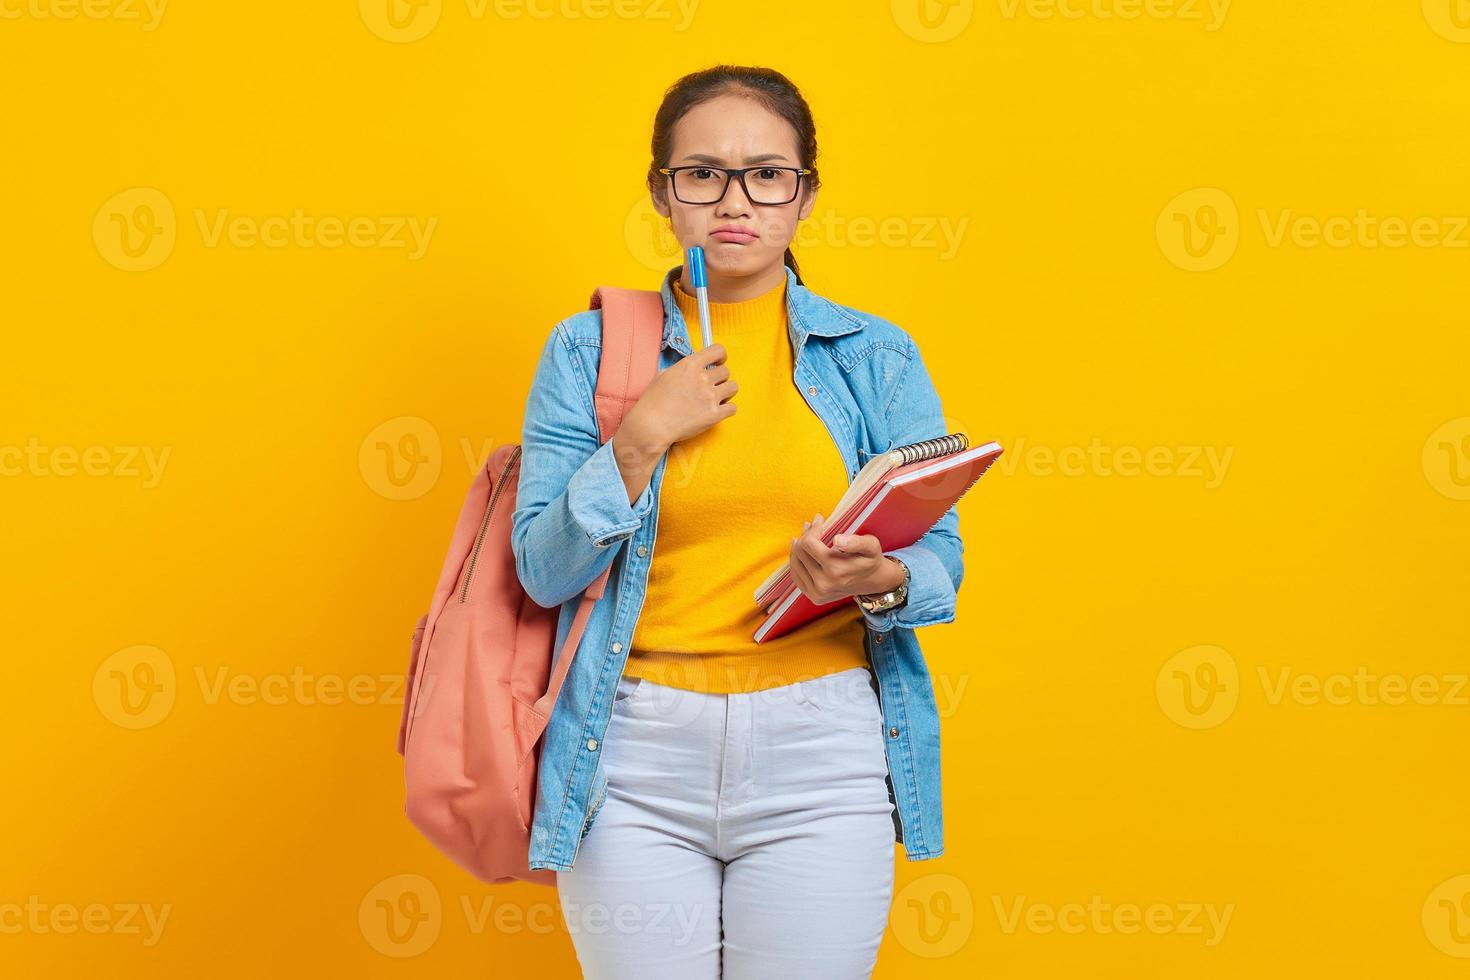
[707,185]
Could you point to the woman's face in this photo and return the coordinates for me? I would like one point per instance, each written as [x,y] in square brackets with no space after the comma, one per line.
[735,131]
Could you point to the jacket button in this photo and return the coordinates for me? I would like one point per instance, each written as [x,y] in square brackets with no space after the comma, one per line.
[893,733]
[592,744]
[617,648]
[811,390]
[642,550]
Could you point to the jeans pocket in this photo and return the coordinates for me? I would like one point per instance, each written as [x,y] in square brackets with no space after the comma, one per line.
[628,688]
[844,700]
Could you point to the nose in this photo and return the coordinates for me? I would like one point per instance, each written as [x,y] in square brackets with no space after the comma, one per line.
[734,202]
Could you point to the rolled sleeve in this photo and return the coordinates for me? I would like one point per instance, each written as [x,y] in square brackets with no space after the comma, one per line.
[598,499]
[931,597]
[936,561]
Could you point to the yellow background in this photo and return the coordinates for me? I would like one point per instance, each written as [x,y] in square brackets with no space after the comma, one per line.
[1115,732]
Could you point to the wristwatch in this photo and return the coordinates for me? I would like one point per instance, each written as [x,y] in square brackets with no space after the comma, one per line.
[886,601]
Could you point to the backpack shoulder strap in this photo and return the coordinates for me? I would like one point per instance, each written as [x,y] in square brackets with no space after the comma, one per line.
[632,335]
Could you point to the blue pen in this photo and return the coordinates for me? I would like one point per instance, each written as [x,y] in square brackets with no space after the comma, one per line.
[695,264]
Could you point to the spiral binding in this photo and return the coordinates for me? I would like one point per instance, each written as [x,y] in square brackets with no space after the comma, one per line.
[933,448]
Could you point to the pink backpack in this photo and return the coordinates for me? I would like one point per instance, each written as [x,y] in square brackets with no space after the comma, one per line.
[468,740]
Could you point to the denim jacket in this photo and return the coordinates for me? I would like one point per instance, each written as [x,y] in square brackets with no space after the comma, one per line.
[864,378]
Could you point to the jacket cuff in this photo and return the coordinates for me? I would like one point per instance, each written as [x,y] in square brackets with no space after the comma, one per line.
[598,499]
[931,598]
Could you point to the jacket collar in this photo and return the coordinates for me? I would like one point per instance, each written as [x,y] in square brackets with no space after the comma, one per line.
[807,314]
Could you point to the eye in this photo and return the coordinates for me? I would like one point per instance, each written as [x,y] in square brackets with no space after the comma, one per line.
[703,173]
[767,173]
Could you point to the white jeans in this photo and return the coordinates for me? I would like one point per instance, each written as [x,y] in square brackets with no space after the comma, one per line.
[743,836]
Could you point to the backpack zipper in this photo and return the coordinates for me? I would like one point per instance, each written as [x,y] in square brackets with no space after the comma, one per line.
[485,523]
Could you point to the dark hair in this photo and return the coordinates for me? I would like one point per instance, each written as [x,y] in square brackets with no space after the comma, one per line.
[766,85]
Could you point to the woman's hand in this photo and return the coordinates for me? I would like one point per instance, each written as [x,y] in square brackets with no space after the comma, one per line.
[855,565]
[683,400]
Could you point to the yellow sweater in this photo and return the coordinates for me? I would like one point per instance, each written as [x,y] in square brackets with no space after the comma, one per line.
[731,500]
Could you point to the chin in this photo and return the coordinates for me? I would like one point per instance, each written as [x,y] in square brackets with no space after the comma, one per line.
[739,261]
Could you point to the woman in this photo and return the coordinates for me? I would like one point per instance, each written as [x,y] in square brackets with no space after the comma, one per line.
[714,807]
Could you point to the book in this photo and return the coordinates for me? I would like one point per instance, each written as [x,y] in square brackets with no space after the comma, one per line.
[898,496]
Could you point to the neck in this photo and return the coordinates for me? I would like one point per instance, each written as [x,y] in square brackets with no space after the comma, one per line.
[735,289]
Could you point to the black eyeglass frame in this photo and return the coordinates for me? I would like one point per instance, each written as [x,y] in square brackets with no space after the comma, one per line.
[738,173]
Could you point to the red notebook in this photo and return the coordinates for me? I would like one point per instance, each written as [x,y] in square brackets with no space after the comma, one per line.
[898,497]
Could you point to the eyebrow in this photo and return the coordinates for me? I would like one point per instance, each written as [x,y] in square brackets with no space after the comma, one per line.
[761,158]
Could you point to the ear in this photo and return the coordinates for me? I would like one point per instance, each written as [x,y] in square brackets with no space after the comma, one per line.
[660,201]
[808,202]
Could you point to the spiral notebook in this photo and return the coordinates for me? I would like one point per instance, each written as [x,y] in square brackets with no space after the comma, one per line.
[898,496]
